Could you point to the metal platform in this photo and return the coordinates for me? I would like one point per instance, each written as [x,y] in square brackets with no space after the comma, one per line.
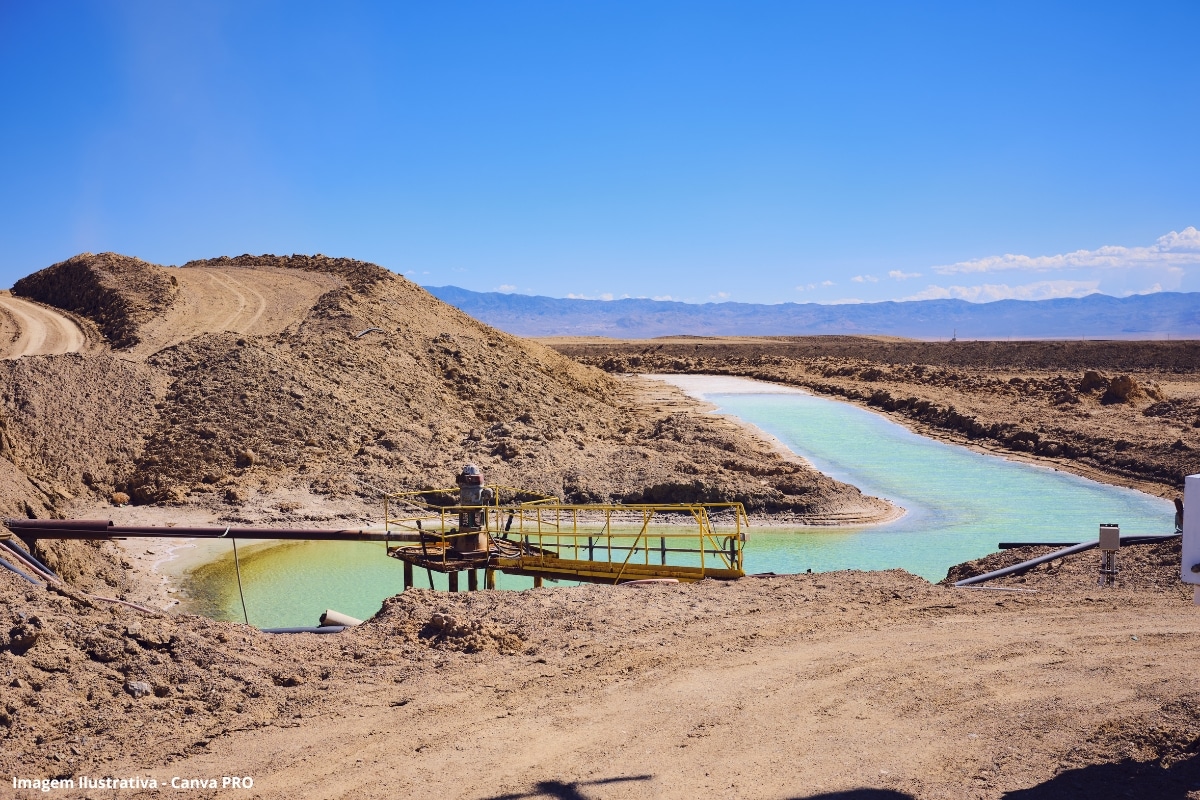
[542,538]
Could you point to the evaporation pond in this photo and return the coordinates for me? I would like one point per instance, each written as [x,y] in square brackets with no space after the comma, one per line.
[959,505]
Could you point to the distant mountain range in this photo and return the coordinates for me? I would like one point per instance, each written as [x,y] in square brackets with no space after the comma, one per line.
[1097,316]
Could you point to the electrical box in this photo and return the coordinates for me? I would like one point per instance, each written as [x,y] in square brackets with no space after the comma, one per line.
[1110,537]
[1190,567]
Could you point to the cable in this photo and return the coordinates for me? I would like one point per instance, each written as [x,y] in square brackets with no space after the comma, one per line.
[238,568]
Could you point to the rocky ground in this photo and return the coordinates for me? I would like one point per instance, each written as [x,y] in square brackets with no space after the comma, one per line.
[792,686]
[1122,412]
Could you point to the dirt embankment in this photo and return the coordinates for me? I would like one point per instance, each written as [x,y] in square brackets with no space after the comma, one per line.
[1126,412]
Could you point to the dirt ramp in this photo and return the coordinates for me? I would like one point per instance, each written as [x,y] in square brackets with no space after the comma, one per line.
[247,300]
[117,292]
[29,329]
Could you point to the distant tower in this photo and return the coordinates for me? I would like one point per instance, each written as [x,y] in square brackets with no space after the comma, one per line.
[954,336]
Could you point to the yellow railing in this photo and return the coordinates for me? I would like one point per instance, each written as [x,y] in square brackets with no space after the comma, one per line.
[599,543]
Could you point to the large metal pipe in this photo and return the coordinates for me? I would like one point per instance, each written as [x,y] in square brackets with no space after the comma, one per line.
[65,524]
[91,529]
[1079,548]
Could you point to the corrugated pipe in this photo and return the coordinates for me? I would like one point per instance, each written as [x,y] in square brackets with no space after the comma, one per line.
[1079,548]
[11,568]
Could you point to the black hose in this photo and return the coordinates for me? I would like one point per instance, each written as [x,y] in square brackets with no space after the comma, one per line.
[30,557]
[9,566]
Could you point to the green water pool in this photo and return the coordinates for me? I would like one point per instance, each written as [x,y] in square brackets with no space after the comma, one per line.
[959,504]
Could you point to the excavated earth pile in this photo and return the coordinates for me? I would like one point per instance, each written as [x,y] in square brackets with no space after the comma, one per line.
[371,380]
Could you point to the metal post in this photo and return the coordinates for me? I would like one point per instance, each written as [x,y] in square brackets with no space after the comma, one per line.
[408,576]
[537,582]
[472,580]
[489,579]
[452,576]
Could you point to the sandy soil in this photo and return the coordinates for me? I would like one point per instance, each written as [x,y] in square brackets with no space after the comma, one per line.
[248,300]
[783,687]
[30,329]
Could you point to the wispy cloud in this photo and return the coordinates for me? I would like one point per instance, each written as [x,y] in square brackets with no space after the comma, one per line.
[985,293]
[662,297]
[505,287]
[810,286]
[903,276]
[719,296]
[1172,250]
[865,279]
[604,296]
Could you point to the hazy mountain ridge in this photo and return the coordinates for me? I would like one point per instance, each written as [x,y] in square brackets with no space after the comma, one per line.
[1094,316]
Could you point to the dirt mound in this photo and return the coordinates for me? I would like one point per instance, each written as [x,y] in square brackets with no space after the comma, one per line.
[378,381]
[358,274]
[116,292]
[1141,567]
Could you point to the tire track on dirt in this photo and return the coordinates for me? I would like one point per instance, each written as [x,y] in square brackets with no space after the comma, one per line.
[29,329]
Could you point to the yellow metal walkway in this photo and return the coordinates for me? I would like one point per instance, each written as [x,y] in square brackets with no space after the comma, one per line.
[543,538]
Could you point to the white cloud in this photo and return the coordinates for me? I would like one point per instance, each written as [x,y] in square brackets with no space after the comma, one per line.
[1155,289]
[985,293]
[828,283]
[1171,250]
[719,296]
[845,301]
[606,296]
[505,287]
[662,297]
[903,276]
[865,279]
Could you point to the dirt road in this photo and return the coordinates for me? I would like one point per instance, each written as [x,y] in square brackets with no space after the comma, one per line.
[236,299]
[30,329]
[782,688]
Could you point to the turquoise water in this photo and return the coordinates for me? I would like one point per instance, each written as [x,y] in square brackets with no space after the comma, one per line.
[959,505]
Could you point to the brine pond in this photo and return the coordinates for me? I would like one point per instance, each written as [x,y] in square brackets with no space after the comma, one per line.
[959,504]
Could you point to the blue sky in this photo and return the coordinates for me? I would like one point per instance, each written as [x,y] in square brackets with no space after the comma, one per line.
[760,152]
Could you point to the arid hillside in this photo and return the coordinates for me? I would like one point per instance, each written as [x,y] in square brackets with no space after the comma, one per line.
[224,381]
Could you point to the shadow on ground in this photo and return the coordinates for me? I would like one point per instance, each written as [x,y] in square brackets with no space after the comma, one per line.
[560,790]
[1119,780]
[859,794]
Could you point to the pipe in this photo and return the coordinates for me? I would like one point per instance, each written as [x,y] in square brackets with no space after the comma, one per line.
[322,629]
[10,567]
[123,603]
[333,618]
[56,530]
[1079,548]
[30,562]
[65,524]
[33,558]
